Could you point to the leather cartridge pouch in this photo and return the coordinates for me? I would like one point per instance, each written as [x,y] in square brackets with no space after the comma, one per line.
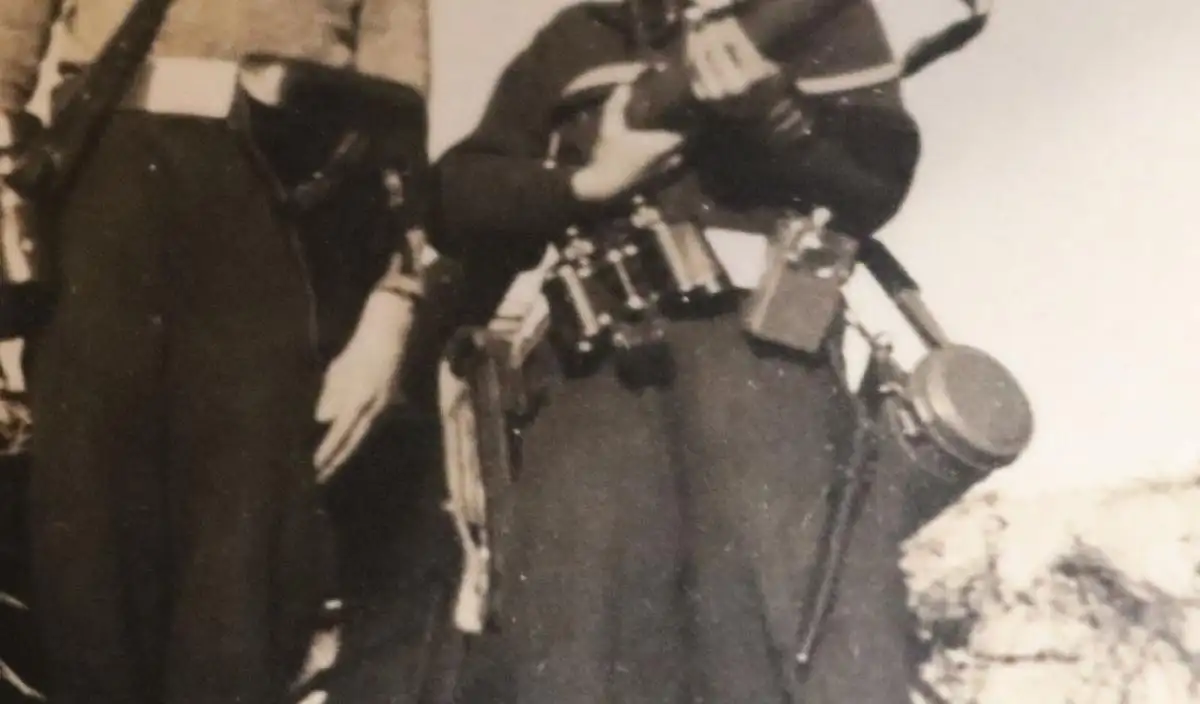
[604,302]
[322,130]
[580,304]
[799,296]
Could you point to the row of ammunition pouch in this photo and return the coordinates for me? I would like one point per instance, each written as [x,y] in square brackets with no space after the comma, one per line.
[959,414]
[610,291]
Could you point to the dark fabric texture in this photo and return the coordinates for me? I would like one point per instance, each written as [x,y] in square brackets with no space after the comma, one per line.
[179,547]
[664,542]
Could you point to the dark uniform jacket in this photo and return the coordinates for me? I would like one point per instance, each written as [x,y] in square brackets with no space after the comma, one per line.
[501,206]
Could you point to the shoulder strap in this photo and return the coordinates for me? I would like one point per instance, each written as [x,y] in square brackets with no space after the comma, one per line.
[112,70]
[924,52]
[56,150]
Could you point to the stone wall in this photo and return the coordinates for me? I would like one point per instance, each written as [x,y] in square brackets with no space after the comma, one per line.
[1084,598]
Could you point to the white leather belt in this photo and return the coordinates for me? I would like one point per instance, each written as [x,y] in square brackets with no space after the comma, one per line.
[743,255]
[199,87]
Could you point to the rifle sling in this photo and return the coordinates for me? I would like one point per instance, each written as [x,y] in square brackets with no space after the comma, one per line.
[44,168]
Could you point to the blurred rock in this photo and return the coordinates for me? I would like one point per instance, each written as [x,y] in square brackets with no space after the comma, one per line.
[1084,598]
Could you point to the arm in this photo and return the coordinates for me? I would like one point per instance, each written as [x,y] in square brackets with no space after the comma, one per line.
[854,152]
[499,204]
[859,162]
[394,43]
[24,38]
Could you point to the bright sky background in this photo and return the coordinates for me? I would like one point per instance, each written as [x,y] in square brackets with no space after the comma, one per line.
[1051,222]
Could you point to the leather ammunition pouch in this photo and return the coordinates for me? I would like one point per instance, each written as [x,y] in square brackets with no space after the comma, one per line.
[326,130]
[617,278]
[611,292]
[799,297]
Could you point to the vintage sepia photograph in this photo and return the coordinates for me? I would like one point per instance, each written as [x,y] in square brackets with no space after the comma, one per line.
[599,352]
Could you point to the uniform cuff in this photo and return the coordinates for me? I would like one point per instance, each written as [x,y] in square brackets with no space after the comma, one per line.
[401,280]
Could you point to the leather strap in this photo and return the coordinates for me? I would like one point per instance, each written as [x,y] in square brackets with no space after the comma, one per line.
[924,52]
[56,151]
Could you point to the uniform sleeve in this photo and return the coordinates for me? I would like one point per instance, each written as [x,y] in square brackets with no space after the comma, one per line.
[497,198]
[859,163]
[861,155]
[393,41]
[24,37]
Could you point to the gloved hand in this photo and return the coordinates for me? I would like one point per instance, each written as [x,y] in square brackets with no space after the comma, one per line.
[733,78]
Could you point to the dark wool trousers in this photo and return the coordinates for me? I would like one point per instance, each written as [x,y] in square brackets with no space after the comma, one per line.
[179,554]
[664,542]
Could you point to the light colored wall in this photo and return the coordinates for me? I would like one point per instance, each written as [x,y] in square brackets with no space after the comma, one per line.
[1052,218]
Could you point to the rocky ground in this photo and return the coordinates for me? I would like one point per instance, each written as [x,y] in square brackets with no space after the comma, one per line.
[1090,598]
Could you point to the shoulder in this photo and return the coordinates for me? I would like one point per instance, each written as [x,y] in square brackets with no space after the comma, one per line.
[575,39]
[848,36]
[585,18]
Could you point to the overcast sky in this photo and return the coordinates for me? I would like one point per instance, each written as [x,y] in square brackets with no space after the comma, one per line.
[1052,218]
